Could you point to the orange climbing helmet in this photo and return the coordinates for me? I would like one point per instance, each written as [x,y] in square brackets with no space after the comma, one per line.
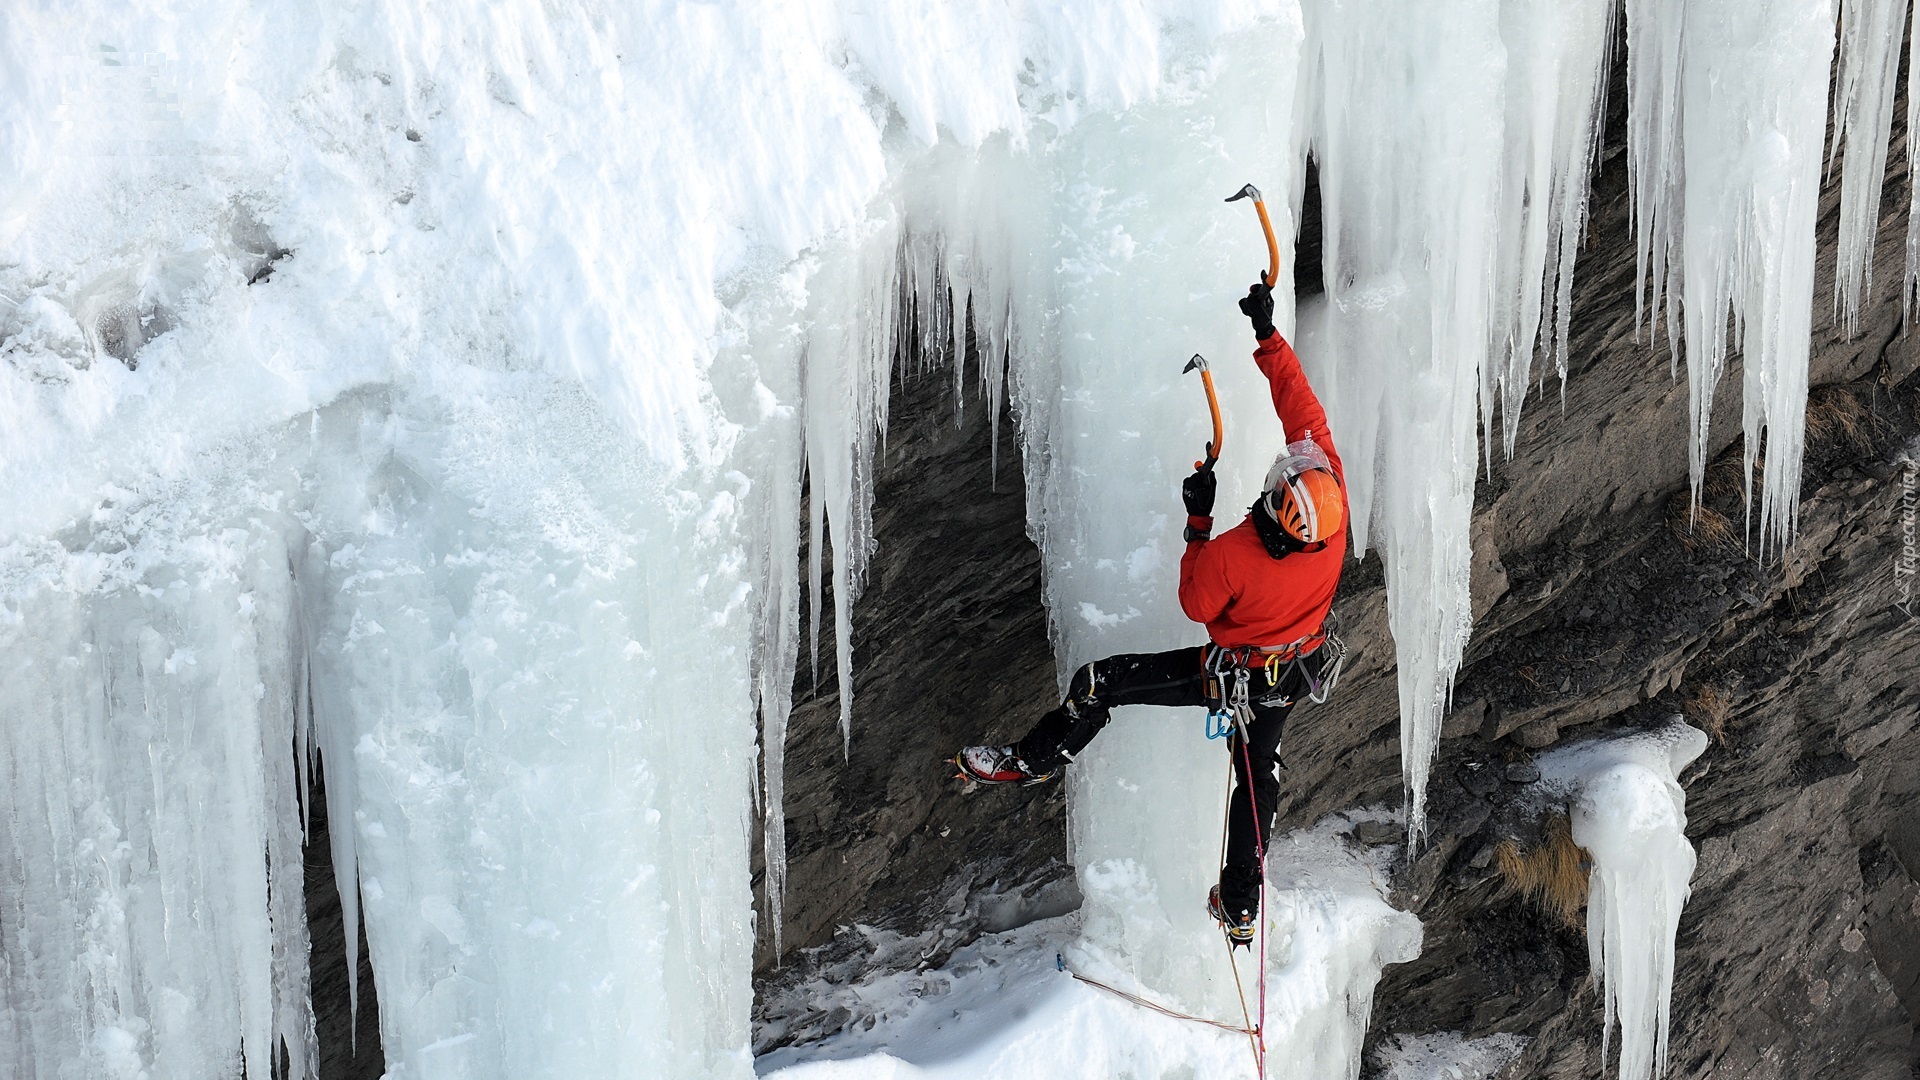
[1303,495]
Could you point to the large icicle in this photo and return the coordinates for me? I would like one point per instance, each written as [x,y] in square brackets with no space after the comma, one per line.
[1410,172]
[848,359]
[1630,813]
[1870,35]
[1454,150]
[1729,107]
[1556,101]
[1910,280]
[760,381]
[1135,266]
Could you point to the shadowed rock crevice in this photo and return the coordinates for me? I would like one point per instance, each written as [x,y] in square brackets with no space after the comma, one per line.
[950,646]
[349,1048]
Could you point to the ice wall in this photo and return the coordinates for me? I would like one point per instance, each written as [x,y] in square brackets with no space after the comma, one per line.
[1630,814]
[153,896]
[445,471]
[438,308]
[1728,107]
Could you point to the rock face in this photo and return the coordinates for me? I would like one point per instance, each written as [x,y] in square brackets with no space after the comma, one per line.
[1600,602]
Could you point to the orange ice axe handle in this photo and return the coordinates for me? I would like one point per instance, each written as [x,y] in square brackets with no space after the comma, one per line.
[1199,363]
[1266,225]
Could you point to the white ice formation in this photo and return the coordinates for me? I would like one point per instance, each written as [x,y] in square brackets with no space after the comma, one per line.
[1630,814]
[1453,145]
[1447,1055]
[1910,280]
[1728,100]
[427,397]
[1001,1007]
[1869,63]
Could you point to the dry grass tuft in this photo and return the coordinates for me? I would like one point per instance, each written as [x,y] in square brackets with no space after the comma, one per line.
[1552,876]
[1836,417]
[1725,481]
[1708,708]
[1700,527]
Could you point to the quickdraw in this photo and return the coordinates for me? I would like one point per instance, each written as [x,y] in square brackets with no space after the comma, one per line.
[1230,709]
[1230,673]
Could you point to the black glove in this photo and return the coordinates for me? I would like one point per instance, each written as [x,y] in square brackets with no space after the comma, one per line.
[1197,492]
[1257,305]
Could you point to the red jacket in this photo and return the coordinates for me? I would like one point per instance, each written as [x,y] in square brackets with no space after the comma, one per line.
[1230,583]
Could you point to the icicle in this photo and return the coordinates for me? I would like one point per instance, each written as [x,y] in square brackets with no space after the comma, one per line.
[1556,104]
[1870,34]
[771,352]
[1630,813]
[336,740]
[151,801]
[774,689]
[1729,115]
[1910,281]
[849,362]
[816,538]
[1410,176]
[1654,119]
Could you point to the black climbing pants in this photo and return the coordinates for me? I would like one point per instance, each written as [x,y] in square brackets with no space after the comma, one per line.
[1179,678]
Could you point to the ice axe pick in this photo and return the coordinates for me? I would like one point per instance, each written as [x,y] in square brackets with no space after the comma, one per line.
[1199,363]
[1273,247]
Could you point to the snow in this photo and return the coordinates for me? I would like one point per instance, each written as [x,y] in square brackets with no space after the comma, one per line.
[1729,116]
[1630,814]
[1447,1055]
[1001,1006]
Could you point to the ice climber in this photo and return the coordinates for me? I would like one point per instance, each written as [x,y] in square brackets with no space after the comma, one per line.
[1263,589]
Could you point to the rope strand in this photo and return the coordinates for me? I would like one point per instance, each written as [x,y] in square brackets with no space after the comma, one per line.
[1061,963]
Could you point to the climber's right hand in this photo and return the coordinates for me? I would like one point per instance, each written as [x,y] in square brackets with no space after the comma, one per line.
[1197,492]
[1257,306]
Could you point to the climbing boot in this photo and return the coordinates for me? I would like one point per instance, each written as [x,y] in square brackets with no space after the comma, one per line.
[997,765]
[1238,926]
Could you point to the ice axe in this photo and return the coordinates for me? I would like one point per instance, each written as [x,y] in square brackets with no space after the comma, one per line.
[1273,247]
[1199,363]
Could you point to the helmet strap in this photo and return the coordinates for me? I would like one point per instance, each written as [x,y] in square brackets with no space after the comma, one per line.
[1277,540]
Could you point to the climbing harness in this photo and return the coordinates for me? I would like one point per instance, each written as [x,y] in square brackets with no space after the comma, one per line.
[1228,690]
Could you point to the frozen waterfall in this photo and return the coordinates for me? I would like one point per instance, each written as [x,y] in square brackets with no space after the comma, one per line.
[426,397]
